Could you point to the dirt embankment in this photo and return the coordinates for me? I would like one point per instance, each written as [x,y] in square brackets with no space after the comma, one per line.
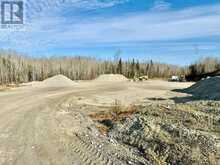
[165,134]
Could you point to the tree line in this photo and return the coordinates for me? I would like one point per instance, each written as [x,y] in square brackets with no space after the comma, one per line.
[207,67]
[15,68]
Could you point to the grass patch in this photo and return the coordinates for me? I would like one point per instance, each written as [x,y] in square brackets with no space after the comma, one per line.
[117,112]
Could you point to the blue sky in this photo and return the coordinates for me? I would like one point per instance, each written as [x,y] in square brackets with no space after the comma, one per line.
[171,31]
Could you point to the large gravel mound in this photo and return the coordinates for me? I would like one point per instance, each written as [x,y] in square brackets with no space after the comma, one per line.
[111,78]
[208,88]
[58,81]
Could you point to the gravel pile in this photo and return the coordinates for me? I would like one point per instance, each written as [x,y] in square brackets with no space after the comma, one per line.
[207,89]
[58,81]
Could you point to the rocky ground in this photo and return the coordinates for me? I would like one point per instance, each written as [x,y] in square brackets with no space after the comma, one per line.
[168,134]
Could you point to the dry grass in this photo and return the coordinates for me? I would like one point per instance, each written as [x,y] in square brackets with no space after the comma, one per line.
[102,128]
[7,87]
[117,112]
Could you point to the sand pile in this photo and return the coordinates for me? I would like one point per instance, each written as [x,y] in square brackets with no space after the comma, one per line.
[111,78]
[58,81]
[208,88]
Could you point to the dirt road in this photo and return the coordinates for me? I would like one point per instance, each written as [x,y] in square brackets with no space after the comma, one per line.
[50,125]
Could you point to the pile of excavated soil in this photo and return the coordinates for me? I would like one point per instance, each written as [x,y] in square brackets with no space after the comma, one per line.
[208,88]
[169,135]
[58,81]
[111,78]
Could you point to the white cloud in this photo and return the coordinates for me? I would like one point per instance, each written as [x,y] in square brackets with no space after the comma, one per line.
[161,5]
[144,27]
[38,7]
[55,31]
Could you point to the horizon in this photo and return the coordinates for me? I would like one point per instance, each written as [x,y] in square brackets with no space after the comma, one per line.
[177,33]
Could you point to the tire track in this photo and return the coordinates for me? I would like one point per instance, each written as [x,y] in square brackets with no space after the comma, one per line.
[89,154]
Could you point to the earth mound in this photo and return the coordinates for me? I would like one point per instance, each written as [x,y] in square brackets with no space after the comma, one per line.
[208,88]
[58,81]
[111,78]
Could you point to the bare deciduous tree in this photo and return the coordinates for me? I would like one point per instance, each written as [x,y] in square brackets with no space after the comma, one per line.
[15,68]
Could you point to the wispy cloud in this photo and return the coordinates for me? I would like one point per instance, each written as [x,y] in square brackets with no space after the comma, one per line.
[171,25]
[53,31]
[161,5]
[38,7]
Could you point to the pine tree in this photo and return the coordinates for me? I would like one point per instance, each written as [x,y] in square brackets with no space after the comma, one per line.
[137,67]
[119,68]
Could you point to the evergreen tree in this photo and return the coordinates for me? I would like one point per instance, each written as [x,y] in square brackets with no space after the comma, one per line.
[119,68]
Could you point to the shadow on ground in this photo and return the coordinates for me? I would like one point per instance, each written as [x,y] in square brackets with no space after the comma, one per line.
[185,99]
[190,98]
